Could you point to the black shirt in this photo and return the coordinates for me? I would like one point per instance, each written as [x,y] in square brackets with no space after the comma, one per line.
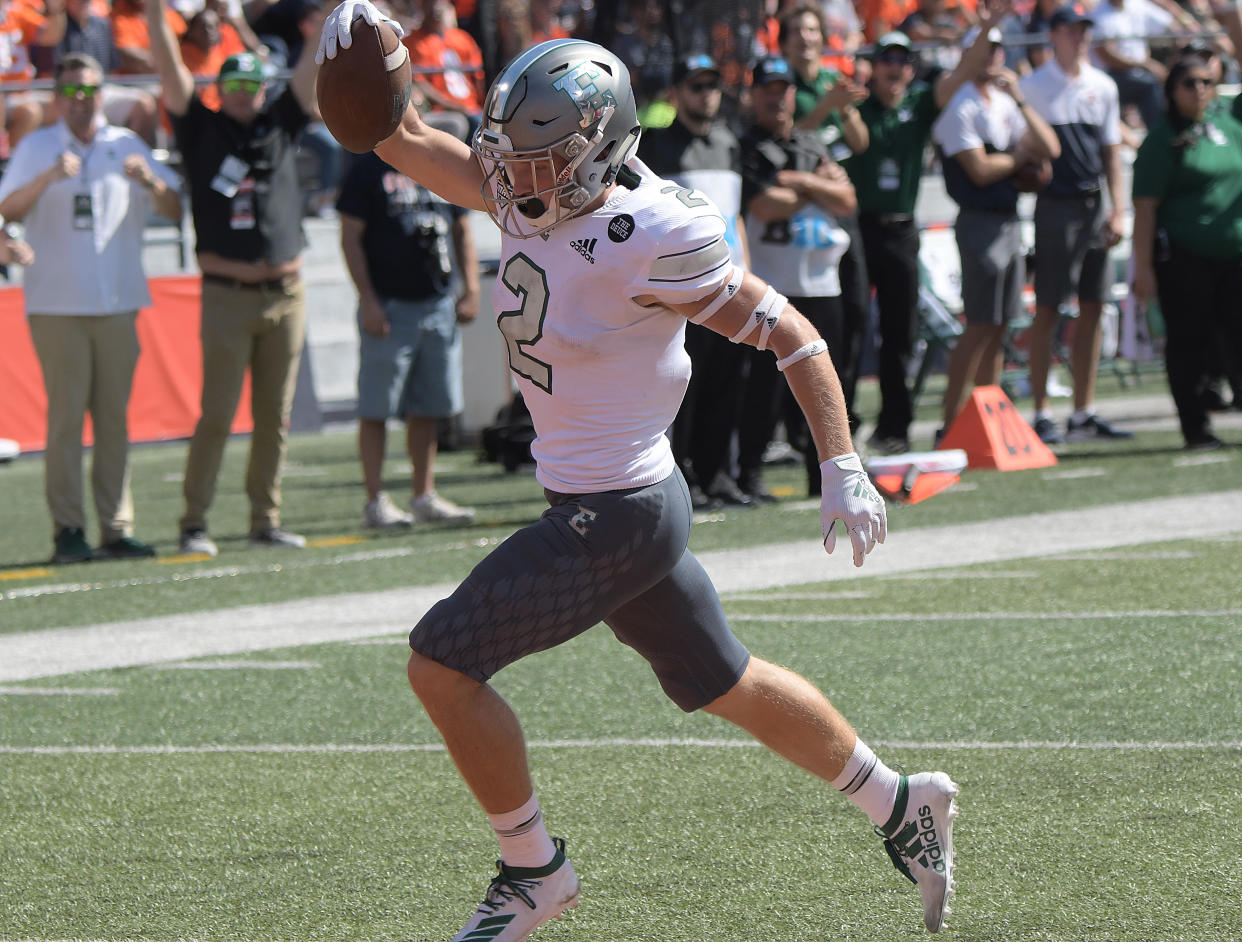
[673,150]
[244,190]
[406,228]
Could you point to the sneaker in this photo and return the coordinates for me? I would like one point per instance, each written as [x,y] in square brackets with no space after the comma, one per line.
[277,538]
[383,514]
[1091,428]
[1205,441]
[752,486]
[71,546]
[196,542]
[888,444]
[725,491]
[521,899]
[919,840]
[127,547]
[432,508]
[1046,429]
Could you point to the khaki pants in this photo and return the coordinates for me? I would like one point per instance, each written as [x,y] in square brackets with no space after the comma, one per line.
[88,366]
[263,329]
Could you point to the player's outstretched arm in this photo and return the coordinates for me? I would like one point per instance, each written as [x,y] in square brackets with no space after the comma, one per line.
[747,310]
[439,161]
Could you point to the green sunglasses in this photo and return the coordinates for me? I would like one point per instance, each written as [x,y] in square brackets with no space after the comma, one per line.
[249,86]
[72,91]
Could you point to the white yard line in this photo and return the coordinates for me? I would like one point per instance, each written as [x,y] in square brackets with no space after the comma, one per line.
[1018,745]
[58,651]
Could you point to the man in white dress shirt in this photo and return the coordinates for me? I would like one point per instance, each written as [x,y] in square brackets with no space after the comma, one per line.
[84,190]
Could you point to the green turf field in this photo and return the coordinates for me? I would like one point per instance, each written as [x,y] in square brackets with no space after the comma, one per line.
[1088,703]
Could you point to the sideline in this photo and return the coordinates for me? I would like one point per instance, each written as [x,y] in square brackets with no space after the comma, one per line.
[58,651]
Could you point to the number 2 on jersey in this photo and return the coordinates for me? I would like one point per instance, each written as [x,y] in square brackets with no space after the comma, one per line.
[524,326]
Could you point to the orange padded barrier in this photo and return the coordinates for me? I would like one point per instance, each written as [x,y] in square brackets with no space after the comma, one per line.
[167,381]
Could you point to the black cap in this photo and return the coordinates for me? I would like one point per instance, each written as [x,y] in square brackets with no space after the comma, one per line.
[692,66]
[771,69]
[1069,15]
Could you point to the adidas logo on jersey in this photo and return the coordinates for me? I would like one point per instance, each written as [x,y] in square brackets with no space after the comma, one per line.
[585,248]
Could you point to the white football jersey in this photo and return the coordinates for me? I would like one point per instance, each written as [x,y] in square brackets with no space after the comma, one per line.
[598,355]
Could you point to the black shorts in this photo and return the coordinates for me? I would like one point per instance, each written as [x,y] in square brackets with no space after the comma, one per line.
[618,557]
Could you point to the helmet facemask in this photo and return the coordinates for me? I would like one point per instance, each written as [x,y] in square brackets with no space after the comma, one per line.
[554,134]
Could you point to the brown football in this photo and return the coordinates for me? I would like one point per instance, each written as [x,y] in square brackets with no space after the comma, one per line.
[363,91]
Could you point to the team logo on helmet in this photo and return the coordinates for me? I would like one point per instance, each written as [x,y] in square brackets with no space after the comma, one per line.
[590,100]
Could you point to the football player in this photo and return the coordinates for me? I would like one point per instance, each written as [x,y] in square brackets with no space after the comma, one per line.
[602,265]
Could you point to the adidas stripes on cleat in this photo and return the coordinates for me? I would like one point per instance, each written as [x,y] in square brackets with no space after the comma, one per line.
[919,840]
[521,899]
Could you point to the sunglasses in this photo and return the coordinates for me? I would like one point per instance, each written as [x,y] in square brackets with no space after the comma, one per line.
[895,58]
[249,86]
[73,91]
[702,87]
[1192,82]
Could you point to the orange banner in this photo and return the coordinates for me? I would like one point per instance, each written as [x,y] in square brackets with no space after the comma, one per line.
[167,381]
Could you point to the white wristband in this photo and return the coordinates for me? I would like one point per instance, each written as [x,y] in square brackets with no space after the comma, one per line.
[814,348]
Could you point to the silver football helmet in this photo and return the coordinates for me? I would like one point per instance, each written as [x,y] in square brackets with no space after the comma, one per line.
[558,123]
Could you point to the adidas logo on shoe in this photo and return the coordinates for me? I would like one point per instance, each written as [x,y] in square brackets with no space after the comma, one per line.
[919,840]
[520,900]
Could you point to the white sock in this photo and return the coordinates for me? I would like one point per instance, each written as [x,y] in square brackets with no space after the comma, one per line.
[524,841]
[1043,414]
[868,783]
[1081,415]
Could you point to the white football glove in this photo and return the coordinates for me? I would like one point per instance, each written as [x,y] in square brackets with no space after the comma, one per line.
[848,495]
[336,27]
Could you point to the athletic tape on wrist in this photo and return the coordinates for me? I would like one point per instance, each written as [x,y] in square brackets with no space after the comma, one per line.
[723,296]
[814,348]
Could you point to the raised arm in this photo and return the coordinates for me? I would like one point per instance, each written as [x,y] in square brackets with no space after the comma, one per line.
[175,78]
[439,161]
[975,59]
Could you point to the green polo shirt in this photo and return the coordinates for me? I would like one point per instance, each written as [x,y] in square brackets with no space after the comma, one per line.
[807,96]
[1199,185]
[886,175]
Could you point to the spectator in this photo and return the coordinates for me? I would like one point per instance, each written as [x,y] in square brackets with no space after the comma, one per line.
[939,28]
[1074,229]
[84,207]
[899,114]
[545,23]
[132,34]
[792,193]
[204,49]
[23,29]
[281,27]
[985,134]
[700,153]
[447,63]
[394,236]
[246,201]
[647,49]
[1038,24]
[1188,233]
[513,30]
[87,32]
[880,17]
[826,102]
[1121,49]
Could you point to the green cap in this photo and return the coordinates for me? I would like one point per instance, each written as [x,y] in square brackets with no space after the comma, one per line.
[243,65]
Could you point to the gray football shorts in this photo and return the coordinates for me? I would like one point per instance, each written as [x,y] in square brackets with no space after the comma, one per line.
[1071,250]
[993,267]
[618,557]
